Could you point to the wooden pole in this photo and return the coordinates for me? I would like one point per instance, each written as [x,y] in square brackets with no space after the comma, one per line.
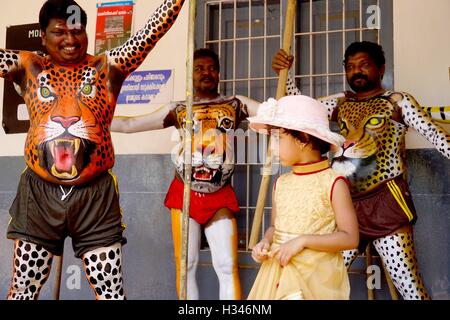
[187,152]
[370,291]
[281,91]
[58,276]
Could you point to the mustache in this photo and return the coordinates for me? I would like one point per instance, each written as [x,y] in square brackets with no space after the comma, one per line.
[207,79]
[359,76]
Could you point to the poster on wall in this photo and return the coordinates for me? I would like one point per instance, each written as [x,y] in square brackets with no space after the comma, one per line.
[114,23]
[15,113]
[144,88]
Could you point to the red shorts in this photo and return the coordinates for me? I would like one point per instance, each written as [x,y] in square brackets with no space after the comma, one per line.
[203,205]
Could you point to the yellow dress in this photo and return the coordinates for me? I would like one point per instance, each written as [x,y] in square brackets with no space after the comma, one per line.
[303,206]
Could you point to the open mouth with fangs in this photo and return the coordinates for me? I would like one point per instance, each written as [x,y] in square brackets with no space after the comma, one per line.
[204,174]
[65,158]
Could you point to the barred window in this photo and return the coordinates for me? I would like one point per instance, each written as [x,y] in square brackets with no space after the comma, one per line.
[247,33]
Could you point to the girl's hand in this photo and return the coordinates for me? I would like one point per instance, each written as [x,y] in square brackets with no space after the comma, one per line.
[287,250]
[260,251]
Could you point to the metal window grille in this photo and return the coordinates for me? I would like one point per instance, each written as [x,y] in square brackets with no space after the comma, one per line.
[247,33]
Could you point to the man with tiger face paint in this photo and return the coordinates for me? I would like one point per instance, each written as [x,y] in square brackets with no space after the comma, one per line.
[68,188]
[213,201]
[374,122]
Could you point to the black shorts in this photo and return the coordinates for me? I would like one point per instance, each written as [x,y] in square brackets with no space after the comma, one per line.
[90,214]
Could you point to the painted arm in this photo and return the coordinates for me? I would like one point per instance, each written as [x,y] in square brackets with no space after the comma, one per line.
[252,105]
[439,113]
[291,87]
[330,103]
[130,55]
[11,64]
[416,117]
[345,237]
[146,122]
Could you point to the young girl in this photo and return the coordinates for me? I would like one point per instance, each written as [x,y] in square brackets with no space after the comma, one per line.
[313,218]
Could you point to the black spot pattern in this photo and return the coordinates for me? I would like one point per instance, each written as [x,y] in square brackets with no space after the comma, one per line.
[30,271]
[399,257]
[106,280]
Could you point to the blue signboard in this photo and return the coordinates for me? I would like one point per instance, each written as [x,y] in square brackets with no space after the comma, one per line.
[143,87]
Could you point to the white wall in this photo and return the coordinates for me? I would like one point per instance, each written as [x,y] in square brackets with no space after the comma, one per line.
[422,54]
[169,53]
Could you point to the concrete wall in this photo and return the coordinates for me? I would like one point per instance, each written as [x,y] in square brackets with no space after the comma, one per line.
[149,270]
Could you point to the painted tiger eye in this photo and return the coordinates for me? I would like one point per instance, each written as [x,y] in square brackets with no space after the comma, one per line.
[87,89]
[375,121]
[45,92]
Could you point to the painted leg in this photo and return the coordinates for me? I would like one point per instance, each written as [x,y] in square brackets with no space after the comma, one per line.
[103,268]
[193,252]
[32,264]
[349,256]
[399,257]
[221,233]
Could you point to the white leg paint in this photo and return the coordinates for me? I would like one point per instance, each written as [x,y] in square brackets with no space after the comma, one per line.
[222,239]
